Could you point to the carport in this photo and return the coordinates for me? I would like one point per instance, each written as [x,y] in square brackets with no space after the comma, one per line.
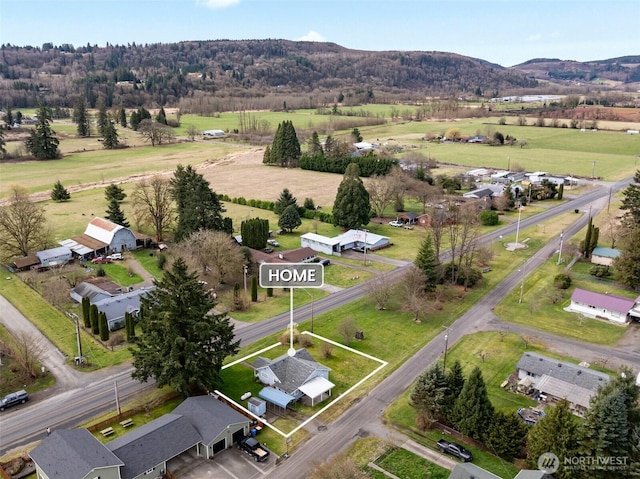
[276,398]
[316,390]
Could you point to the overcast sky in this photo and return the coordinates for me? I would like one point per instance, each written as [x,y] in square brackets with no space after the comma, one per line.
[506,32]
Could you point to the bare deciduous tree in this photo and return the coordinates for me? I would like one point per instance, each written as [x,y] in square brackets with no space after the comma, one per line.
[152,201]
[156,133]
[27,352]
[424,192]
[381,194]
[413,283]
[379,288]
[215,254]
[347,329]
[192,132]
[23,225]
[339,467]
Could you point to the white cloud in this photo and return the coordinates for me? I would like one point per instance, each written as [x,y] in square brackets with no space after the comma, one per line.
[214,4]
[534,38]
[312,37]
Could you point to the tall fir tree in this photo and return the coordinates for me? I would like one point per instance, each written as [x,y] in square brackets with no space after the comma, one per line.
[556,432]
[506,435]
[427,262]
[86,306]
[351,208]
[315,147]
[290,219]
[103,117]
[429,392]
[254,289]
[161,117]
[455,383]
[473,412]
[59,193]
[626,266]
[630,204]
[81,117]
[284,201]
[115,214]
[255,232]
[122,118]
[285,147]
[114,192]
[183,345]
[110,136]
[42,142]
[198,207]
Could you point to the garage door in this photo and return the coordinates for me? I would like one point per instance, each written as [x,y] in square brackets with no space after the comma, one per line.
[238,435]
[219,446]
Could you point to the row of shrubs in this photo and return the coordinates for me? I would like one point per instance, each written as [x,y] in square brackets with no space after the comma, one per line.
[308,213]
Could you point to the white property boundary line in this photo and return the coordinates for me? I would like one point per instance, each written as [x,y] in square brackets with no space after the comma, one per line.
[291,433]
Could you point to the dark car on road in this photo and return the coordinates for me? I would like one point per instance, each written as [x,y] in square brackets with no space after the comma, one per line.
[18,397]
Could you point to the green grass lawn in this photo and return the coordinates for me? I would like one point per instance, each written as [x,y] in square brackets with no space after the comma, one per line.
[407,465]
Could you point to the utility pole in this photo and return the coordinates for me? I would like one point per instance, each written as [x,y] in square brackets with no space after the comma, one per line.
[78,340]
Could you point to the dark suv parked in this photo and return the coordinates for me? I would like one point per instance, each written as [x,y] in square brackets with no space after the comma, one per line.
[19,397]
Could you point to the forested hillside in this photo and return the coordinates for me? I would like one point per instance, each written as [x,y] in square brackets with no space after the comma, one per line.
[164,74]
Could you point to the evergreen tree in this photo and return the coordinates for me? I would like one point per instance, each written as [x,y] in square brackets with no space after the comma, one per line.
[506,435]
[134,120]
[122,118]
[285,148]
[161,117]
[42,142]
[556,432]
[627,265]
[255,233]
[103,117]
[611,426]
[427,262]
[103,326]
[455,383]
[86,307]
[429,392]
[59,193]
[198,207]
[356,137]
[114,192]
[115,214]
[286,199]
[473,411]
[351,208]
[183,345]
[8,118]
[81,118]
[110,136]
[631,201]
[254,289]
[266,157]
[315,147]
[290,219]
[587,239]
[93,314]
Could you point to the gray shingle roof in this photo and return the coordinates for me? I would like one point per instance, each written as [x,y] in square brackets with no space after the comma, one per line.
[72,453]
[539,364]
[291,371]
[153,444]
[209,416]
[466,470]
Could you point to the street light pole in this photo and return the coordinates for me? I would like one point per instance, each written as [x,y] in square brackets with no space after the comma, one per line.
[446,347]
[560,253]
[518,226]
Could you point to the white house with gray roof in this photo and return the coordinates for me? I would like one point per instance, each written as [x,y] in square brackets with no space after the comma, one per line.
[554,380]
[115,307]
[202,425]
[298,377]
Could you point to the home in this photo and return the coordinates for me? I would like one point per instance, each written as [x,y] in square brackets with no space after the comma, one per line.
[551,380]
[202,426]
[346,241]
[101,237]
[54,256]
[603,306]
[213,133]
[293,378]
[409,218]
[115,307]
[604,256]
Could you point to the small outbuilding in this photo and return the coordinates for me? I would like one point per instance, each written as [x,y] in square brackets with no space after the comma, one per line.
[604,256]
[54,256]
